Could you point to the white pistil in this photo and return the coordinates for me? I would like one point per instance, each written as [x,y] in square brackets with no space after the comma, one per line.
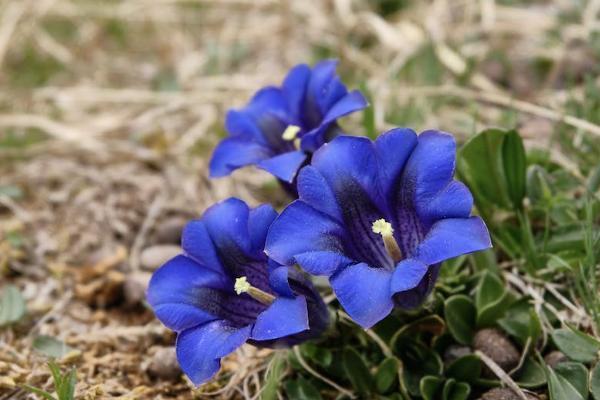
[384,228]
[243,286]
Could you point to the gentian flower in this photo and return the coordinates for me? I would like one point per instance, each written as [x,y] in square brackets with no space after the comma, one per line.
[281,126]
[378,218]
[223,291]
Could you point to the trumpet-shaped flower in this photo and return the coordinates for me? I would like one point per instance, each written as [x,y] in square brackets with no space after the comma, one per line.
[281,126]
[223,291]
[378,218]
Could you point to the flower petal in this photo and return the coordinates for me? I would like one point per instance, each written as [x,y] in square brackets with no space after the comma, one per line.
[407,275]
[351,102]
[315,191]
[284,166]
[180,290]
[197,244]
[364,292]
[453,237]
[393,150]
[239,123]
[294,88]
[227,225]
[414,297]
[233,153]
[284,317]
[279,279]
[454,201]
[322,262]
[259,220]
[301,228]
[200,349]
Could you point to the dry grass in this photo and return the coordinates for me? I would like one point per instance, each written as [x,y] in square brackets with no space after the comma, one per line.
[115,105]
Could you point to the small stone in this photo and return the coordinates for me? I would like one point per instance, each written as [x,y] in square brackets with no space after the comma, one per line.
[454,352]
[135,287]
[154,256]
[163,364]
[554,358]
[6,382]
[505,394]
[496,346]
[169,231]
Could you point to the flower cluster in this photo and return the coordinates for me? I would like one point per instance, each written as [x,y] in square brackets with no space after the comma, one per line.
[376,217]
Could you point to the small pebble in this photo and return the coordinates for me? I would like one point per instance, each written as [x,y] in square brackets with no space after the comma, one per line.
[154,256]
[504,394]
[496,346]
[169,231]
[135,287]
[454,352]
[163,364]
[554,358]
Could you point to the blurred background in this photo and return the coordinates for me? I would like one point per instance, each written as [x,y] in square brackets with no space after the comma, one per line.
[109,111]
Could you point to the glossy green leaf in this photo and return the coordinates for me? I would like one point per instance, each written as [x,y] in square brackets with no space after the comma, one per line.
[481,166]
[595,381]
[430,386]
[491,300]
[357,371]
[531,375]
[12,305]
[521,322]
[460,315]
[455,390]
[515,164]
[466,369]
[318,354]
[386,374]
[431,323]
[418,361]
[301,389]
[576,374]
[576,345]
[560,388]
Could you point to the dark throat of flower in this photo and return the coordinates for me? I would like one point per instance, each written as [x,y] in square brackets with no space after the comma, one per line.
[384,228]
[243,286]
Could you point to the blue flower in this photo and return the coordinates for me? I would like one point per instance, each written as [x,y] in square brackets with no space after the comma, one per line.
[378,218]
[223,291]
[282,126]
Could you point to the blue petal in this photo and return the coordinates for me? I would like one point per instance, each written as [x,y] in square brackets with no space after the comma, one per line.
[430,167]
[197,244]
[284,317]
[349,159]
[269,100]
[259,220]
[284,166]
[294,88]
[393,149]
[301,228]
[364,292]
[240,124]
[454,201]
[407,275]
[322,262]
[453,237]
[227,225]
[279,279]
[173,292]
[233,153]
[414,297]
[322,75]
[199,350]
[315,191]
[351,102]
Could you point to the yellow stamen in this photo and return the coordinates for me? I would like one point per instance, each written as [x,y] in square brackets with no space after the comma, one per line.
[243,286]
[384,228]
[290,132]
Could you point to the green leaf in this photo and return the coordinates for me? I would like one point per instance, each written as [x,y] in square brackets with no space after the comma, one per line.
[560,388]
[481,166]
[460,315]
[576,374]
[14,192]
[39,392]
[66,391]
[301,389]
[515,164]
[418,361]
[531,375]
[595,381]
[430,386]
[368,114]
[491,299]
[386,374]
[576,345]
[12,305]
[455,390]
[273,377]
[432,324]
[538,187]
[51,346]
[317,354]
[522,322]
[466,369]
[357,371]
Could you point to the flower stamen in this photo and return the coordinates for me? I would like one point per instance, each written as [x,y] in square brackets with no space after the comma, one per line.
[385,229]
[243,286]
[291,134]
